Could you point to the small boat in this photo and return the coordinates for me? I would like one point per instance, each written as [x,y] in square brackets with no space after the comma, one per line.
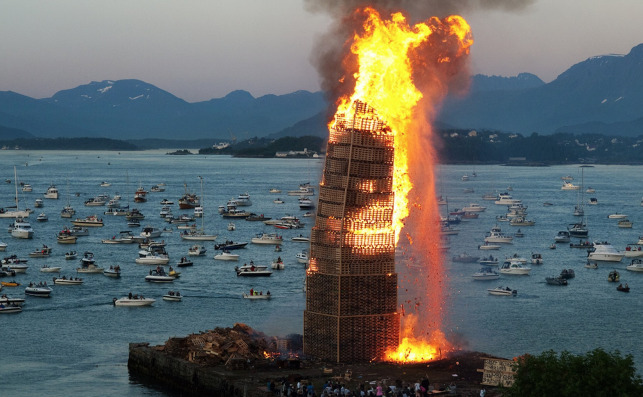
[38,203]
[486,273]
[226,255]
[567,178]
[133,301]
[562,237]
[105,184]
[567,274]
[307,214]
[252,270]
[3,246]
[590,190]
[521,221]
[502,291]
[277,264]
[613,276]
[474,207]
[278,201]
[593,201]
[50,269]
[70,255]
[625,223]
[10,284]
[582,244]
[167,202]
[301,239]
[113,271]
[519,234]
[173,296]
[41,253]
[302,257]
[91,220]
[6,300]
[184,262]
[10,308]
[547,204]
[231,227]
[267,238]
[489,261]
[26,187]
[536,259]
[465,258]
[514,268]
[230,245]
[274,190]
[257,218]
[556,280]
[150,232]
[40,290]
[635,266]
[68,281]
[616,215]
[569,186]
[604,251]
[591,265]
[196,250]
[123,237]
[134,223]
[257,295]
[146,257]
[89,268]
[623,288]
[42,217]
[66,238]
[159,275]
[495,235]
[488,246]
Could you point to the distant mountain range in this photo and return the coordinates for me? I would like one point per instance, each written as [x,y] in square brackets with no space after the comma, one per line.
[603,94]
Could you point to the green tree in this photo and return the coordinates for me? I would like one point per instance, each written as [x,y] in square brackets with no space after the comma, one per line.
[597,373]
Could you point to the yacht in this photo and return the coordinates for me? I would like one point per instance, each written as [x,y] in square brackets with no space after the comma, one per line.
[495,235]
[243,200]
[604,251]
[514,268]
[578,230]
[474,207]
[150,232]
[569,186]
[51,193]
[562,237]
[266,238]
[21,229]
[506,199]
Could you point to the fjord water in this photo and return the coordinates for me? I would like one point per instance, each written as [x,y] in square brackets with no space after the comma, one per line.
[76,341]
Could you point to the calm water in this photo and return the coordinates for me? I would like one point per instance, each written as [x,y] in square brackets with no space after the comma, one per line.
[76,341]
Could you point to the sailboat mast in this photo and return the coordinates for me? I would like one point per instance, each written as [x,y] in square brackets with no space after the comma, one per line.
[15,179]
[202,207]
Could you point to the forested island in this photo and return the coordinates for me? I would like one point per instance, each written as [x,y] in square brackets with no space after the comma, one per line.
[452,147]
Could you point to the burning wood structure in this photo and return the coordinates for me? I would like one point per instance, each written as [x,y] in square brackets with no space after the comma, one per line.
[351,299]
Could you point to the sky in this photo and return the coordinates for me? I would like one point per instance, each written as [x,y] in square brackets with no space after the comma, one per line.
[203,49]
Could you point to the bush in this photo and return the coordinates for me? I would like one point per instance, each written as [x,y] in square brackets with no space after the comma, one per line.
[597,373]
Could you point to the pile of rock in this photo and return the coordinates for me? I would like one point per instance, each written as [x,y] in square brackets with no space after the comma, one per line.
[235,347]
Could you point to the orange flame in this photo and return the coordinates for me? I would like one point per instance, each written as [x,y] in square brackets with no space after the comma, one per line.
[397,68]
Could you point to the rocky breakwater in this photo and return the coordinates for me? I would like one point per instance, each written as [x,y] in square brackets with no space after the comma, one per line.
[216,362]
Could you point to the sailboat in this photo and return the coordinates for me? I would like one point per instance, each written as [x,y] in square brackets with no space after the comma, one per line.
[4,213]
[579,229]
[200,233]
[68,211]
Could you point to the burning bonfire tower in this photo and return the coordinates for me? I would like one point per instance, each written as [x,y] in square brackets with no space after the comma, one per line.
[351,299]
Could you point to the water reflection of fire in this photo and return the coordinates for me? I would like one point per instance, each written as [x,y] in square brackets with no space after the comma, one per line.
[402,71]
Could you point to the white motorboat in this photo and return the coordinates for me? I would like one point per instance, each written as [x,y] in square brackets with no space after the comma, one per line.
[123,237]
[304,190]
[68,281]
[26,187]
[514,268]
[198,212]
[489,261]
[226,256]
[275,190]
[616,215]
[150,232]
[89,268]
[113,271]
[506,199]
[231,227]
[302,257]
[562,237]
[633,251]
[133,301]
[474,207]
[593,201]
[50,269]
[257,296]
[167,202]
[42,217]
[495,235]
[152,258]
[635,266]
[51,193]
[488,246]
[277,264]
[253,270]
[3,246]
[10,308]
[6,300]
[278,201]
[267,238]
[39,290]
[536,259]
[591,265]
[70,255]
[197,235]
[105,184]
[521,221]
[243,200]
[502,291]
[486,273]
[604,251]
[625,223]
[569,186]
[38,203]
[305,203]
[158,275]
[22,229]
[92,221]
[230,245]
[173,296]
[95,202]
[64,238]
[196,250]
[301,239]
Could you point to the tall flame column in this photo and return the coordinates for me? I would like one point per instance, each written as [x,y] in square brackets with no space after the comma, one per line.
[351,283]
